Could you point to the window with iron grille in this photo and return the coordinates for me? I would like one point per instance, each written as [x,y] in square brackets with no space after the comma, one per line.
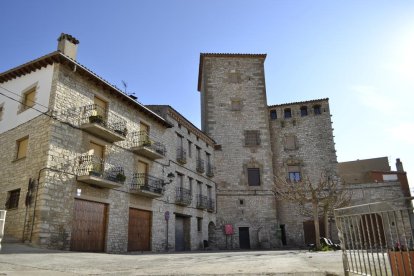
[253,176]
[13,199]
[251,138]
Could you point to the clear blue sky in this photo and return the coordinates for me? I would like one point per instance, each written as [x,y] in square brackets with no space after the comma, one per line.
[358,53]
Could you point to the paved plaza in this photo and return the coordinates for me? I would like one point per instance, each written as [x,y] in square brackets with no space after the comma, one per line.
[19,259]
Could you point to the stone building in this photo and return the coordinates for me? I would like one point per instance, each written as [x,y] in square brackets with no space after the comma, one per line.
[86,167]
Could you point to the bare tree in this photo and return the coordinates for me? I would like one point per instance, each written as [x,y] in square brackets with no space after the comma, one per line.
[323,195]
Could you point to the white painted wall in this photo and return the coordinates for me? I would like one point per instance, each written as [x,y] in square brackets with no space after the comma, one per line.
[42,79]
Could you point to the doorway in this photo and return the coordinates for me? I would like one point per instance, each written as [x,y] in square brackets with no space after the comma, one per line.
[244,238]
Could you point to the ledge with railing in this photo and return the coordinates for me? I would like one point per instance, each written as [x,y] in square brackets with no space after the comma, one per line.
[210,170]
[202,202]
[210,205]
[103,123]
[183,196]
[200,165]
[181,155]
[146,184]
[94,170]
[144,144]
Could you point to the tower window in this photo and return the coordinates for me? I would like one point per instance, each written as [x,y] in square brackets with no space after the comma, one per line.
[273,115]
[287,113]
[304,111]
[317,109]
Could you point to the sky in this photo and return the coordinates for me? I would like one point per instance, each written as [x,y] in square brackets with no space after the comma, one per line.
[357,53]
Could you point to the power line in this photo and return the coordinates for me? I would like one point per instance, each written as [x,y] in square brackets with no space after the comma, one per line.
[2,87]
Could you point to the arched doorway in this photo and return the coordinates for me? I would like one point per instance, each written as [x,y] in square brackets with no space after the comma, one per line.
[212,240]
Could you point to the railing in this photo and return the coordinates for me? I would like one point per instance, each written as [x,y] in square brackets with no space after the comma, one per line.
[181,155]
[183,196]
[143,139]
[210,170]
[146,182]
[95,114]
[377,238]
[95,166]
[210,205]
[200,165]
[202,202]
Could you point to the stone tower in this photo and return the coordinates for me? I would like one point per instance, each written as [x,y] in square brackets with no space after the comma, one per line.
[235,113]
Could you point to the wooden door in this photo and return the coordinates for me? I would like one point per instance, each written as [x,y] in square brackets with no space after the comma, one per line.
[244,238]
[142,167]
[101,106]
[97,150]
[139,230]
[89,226]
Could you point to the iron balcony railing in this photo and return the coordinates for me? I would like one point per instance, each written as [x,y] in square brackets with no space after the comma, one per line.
[200,165]
[210,205]
[95,114]
[98,167]
[146,182]
[183,196]
[181,155]
[210,170]
[143,139]
[202,202]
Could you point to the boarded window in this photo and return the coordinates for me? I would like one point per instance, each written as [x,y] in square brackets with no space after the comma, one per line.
[251,138]
[253,176]
[13,199]
[273,115]
[294,173]
[22,145]
[287,113]
[290,142]
[236,105]
[304,111]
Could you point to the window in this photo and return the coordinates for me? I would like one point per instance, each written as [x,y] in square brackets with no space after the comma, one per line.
[273,115]
[241,201]
[1,110]
[287,113]
[236,105]
[290,142]
[12,201]
[180,180]
[294,173]
[22,145]
[189,148]
[253,176]
[100,107]
[304,111]
[251,138]
[317,109]
[190,181]
[29,99]
[200,187]
[199,224]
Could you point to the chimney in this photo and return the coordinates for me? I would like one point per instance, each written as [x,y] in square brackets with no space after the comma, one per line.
[68,45]
[399,165]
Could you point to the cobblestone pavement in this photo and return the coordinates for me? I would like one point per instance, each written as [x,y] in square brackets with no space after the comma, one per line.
[19,259]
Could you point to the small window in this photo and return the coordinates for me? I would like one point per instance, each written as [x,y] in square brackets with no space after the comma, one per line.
[28,99]
[22,145]
[253,176]
[304,111]
[12,201]
[251,138]
[236,105]
[241,201]
[1,110]
[287,113]
[189,148]
[273,115]
[199,224]
[294,174]
[317,109]
[290,142]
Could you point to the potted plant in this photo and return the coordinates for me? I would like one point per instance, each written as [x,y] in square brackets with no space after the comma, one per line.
[96,119]
[120,177]
[96,170]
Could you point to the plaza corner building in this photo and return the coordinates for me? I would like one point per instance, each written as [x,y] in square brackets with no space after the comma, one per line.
[86,167]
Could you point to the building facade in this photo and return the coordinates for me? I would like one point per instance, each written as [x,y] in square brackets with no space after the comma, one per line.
[86,167]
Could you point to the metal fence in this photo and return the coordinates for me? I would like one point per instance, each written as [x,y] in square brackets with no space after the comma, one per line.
[377,238]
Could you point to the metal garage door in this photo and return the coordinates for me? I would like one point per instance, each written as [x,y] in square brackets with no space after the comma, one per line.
[89,226]
[139,230]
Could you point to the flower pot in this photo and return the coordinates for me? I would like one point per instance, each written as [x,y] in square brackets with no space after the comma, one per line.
[96,119]
[120,178]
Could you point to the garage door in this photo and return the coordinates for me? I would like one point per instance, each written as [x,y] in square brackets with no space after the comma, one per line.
[89,225]
[139,230]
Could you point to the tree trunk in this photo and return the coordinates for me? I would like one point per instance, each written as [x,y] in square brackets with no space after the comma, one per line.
[326,224]
[316,223]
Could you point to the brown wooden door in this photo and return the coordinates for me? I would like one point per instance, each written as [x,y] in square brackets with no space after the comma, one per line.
[139,230]
[89,226]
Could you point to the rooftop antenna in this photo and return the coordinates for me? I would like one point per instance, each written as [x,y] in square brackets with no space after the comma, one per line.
[125,85]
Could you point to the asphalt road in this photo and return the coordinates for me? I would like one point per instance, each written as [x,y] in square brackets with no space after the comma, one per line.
[19,259]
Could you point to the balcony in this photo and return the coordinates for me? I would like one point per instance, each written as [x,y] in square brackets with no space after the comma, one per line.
[210,205]
[202,202]
[210,170]
[183,196]
[95,171]
[200,165]
[181,155]
[146,185]
[103,124]
[146,146]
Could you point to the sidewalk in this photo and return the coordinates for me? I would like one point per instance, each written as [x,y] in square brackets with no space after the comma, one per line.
[20,259]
